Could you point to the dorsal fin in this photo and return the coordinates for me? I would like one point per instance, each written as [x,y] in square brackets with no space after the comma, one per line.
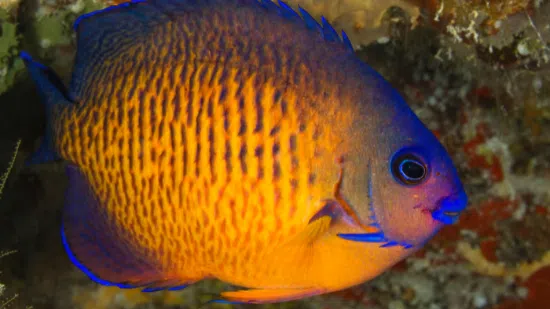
[137,16]
[325,28]
[105,33]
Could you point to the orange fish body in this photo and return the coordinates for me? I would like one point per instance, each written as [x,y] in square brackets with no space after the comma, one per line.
[209,139]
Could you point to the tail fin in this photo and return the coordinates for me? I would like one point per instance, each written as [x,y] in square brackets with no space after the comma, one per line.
[53,92]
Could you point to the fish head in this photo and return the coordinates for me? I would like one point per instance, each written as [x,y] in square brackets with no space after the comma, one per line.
[415,191]
[405,183]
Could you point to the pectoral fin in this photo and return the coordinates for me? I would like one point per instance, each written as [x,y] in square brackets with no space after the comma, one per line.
[332,218]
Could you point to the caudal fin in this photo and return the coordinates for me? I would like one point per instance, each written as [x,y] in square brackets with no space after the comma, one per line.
[52,92]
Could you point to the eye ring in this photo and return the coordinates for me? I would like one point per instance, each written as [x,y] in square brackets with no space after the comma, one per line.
[409,169]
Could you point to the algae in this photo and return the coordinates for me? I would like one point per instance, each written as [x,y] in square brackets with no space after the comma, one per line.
[9,40]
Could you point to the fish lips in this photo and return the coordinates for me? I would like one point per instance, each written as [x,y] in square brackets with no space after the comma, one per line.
[449,208]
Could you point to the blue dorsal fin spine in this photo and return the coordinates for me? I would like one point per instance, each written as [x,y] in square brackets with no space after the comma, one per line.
[328,31]
[287,11]
[347,41]
[311,23]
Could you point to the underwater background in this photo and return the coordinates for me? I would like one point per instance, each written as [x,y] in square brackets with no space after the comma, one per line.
[476,72]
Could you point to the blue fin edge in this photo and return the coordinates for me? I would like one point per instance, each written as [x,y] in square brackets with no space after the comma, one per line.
[84,269]
[148,288]
[325,28]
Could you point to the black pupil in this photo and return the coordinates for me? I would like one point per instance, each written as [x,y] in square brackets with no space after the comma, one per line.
[412,170]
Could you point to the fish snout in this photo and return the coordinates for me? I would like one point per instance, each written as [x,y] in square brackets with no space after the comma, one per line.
[449,208]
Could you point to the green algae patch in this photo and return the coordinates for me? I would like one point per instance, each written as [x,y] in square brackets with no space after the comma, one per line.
[10,64]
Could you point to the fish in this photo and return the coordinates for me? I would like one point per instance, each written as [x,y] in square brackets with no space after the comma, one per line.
[241,141]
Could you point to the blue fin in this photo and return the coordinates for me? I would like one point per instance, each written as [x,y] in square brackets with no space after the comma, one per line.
[287,11]
[365,237]
[311,23]
[99,248]
[268,4]
[347,41]
[52,92]
[328,31]
[390,244]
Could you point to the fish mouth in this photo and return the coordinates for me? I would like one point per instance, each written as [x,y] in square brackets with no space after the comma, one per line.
[450,207]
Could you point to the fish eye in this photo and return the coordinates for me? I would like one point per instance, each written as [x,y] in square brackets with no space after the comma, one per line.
[409,169]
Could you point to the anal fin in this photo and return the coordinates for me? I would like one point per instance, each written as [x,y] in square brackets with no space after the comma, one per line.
[265,296]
